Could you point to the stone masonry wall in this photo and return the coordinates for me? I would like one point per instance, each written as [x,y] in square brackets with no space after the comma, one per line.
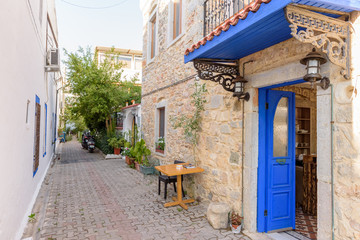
[347,146]
[219,147]
[219,150]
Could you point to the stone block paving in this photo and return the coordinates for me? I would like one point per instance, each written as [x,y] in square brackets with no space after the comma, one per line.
[87,197]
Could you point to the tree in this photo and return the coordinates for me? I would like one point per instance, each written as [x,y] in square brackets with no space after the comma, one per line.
[97,88]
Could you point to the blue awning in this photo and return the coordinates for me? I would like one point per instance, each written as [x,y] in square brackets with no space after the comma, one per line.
[262,29]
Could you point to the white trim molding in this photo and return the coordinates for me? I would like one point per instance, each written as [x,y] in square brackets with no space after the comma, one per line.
[153,14]
[170,39]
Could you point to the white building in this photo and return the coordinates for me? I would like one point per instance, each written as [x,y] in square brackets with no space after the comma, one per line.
[131,59]
[29,113]
[128,119]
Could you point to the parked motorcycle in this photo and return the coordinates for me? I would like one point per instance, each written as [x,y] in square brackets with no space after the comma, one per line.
[85,139]
[91,144]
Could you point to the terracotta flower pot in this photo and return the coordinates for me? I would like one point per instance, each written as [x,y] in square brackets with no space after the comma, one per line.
[159,151]
[137,166]
[132,160]
[117,151]
[127,160]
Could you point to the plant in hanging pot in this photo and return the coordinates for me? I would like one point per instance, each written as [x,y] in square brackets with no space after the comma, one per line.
[235,222]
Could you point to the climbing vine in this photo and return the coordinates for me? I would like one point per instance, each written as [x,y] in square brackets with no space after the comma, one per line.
[192,124]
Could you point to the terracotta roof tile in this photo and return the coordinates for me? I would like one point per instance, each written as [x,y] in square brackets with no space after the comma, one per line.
[242,14]
[130,106]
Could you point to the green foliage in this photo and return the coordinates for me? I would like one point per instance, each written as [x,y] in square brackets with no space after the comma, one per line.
[132,135]
[126,152]
[116,142]
[101,142]
[97,88]
[68,137]
[160,144]
[141,151]
[127,144]
[191,124]
[32,217]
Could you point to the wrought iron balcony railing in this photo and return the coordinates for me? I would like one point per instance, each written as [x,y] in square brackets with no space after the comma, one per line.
[218,11]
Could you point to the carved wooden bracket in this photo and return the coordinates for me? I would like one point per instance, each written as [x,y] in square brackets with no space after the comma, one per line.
[330,35]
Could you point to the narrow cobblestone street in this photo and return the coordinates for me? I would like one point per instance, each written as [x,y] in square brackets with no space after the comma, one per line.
[87,197]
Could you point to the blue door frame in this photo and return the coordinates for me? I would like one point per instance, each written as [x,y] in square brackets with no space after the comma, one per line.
[263,164]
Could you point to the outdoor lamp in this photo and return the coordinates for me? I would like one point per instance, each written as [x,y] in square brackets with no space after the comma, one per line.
[313,60]
[239,88]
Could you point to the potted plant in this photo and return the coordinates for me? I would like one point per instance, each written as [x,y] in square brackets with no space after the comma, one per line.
[129,154]
[160,145]
[235,220]
[116,143]
[147,168]
[141,151]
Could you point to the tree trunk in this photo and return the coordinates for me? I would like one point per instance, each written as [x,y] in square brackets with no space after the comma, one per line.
[107,126]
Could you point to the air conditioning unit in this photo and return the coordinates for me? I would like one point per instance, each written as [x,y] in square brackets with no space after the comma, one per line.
[52,60]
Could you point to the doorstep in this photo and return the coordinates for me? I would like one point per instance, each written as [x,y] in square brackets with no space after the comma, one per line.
[113,156]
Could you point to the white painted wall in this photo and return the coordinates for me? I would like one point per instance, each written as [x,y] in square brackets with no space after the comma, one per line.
[128,118]
[22,59]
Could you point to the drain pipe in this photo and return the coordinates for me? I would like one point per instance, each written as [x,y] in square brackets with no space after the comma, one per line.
[332,165]
[242,160]
[243,147]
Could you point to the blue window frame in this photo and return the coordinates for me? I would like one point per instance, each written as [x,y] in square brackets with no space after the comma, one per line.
[45,130]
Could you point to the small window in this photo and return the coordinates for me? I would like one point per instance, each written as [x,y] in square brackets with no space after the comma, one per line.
[152,37]
[125,60]
[177,18]
[160,134]
[138,62]
[161,122]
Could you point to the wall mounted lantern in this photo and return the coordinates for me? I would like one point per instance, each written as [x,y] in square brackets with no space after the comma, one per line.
[313,61]
[240,88]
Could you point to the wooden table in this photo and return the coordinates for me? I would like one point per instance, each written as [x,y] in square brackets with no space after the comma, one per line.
[170,170]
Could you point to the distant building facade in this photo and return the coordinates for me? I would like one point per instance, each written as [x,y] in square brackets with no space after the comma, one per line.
[131,60]
[30,83]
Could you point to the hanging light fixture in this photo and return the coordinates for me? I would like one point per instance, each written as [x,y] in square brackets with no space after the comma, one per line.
[240,88]
[313,61]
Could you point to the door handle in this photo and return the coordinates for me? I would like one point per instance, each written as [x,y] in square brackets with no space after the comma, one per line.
[281,161]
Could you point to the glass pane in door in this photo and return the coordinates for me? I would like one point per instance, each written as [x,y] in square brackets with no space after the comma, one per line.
[281,126]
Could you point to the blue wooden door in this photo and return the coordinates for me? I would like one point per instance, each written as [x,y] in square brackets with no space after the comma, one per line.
[280,160]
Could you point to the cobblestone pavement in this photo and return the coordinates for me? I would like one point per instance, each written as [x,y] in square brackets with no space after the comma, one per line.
[87,197]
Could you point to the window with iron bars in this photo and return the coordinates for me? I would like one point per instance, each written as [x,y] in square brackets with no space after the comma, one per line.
[217,12]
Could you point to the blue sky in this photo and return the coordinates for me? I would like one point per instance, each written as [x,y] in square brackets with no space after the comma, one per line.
[119,26]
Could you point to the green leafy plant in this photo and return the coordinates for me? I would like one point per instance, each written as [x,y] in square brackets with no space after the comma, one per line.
[160,144]
[97,88]
[116,142]
[32,218]
[141,151]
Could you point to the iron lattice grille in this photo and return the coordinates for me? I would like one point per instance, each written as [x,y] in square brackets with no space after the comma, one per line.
[218,11]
